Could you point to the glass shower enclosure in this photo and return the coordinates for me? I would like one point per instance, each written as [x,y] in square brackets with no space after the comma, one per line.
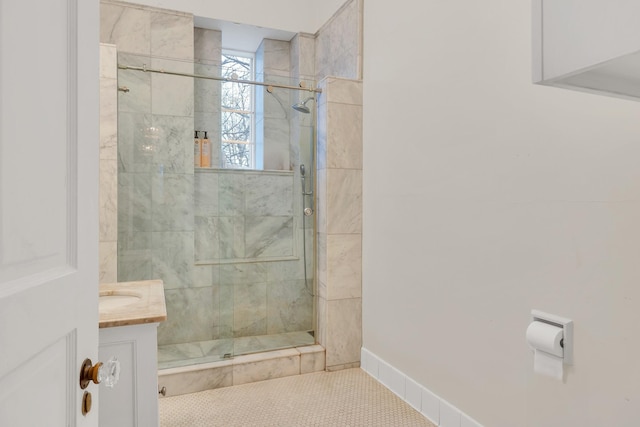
[232,238]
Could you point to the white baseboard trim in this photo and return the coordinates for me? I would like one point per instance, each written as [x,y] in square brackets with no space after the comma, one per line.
[435,409]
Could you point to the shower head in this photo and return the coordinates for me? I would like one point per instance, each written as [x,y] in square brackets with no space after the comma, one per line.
[302,106]
[302,169]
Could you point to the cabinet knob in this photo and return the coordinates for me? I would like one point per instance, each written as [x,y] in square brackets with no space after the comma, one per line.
[107,373]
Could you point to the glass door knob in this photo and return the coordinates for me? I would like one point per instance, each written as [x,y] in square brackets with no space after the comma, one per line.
[107,373]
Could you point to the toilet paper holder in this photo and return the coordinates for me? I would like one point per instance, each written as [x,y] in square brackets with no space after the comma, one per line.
[567,331]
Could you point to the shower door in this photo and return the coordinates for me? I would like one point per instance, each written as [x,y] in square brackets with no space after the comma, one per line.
[230,242]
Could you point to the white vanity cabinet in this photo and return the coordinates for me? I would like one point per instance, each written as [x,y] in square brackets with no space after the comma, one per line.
[133,402]
[587,45]
[130,313]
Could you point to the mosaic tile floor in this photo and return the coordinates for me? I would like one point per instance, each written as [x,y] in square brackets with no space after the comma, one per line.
[343,398]
[176,355]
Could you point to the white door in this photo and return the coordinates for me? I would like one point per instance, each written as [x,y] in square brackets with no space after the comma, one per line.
[48,209]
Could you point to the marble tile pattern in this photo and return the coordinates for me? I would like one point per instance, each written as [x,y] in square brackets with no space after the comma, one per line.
[252,368]
[344,266]
[312,359]
[206,194]
[273,59]
[126,26]
[189,315]
[268,236]
[303,56]
[241,369]
[289,306]
[244,215]
[108,268]
[173,148]
[207,56]
[108,187]
[172,202]
[268,195]
[232,237]
[138,99]
[344,326]
[339,43]
[207,239]
[134,256]
[172,255]
[207,46]
[250,309]
[344,201]
[277,57]
[172,35]
[134,202]
[249,216]
[181,381]
[344,124]
[108,200]
[108,104]
[135,145]
[155,137]
[321,268]
[231,194]
[339,187]
[172,95]
[108,61]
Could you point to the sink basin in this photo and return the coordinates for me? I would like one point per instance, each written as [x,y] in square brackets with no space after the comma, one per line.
[110,300]
[131,303]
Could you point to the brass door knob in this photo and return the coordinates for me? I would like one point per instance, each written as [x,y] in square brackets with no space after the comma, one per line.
[109,373]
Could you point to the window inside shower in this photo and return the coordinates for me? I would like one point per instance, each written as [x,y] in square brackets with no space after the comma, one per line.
[231,243]
[238,111]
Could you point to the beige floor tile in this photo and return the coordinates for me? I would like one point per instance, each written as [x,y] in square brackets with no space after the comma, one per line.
[344,398]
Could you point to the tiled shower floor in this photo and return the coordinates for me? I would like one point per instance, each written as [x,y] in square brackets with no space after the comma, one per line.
[176,355]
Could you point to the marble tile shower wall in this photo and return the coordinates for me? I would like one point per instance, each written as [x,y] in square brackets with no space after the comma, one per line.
[155,160]
[246,242]
[302,130]
[212,291]
[340,221]
[273,108]
[246,239]
[108,197]
[339,44]
[338,68]
[207,56]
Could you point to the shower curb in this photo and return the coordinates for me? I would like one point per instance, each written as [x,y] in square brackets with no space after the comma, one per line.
[242,370]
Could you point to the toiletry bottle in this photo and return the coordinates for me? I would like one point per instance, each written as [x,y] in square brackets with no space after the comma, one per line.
[197,150]
[205,156]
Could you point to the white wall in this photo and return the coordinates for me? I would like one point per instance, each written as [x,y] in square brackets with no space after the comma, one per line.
[486,196]
[289,15]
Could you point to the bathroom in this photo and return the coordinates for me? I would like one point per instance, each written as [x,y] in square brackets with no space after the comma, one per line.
[483,196]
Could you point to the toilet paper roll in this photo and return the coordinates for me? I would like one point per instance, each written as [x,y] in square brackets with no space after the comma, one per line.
[545,339]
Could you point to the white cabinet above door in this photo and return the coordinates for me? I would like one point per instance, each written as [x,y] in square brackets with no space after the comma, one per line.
[587,45]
